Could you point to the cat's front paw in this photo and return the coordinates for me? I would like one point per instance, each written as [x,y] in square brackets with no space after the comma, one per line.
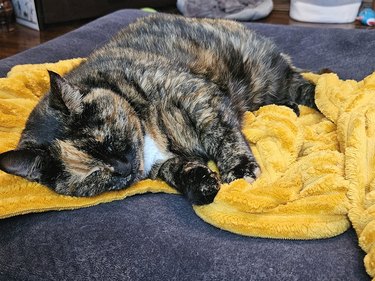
[247,169]
[201,184]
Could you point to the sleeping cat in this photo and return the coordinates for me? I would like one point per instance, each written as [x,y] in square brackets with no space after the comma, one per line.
[162,98]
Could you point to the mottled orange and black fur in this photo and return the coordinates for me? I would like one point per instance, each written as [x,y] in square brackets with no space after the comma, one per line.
[162,98]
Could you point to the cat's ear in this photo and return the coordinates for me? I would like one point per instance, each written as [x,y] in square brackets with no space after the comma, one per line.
[64,96]
[24,163]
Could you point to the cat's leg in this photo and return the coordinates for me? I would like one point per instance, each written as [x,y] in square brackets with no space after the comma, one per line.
[232,154]
[209,117]
[218,128]
[191,177]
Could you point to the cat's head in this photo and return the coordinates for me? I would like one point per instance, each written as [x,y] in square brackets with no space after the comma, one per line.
[98,147]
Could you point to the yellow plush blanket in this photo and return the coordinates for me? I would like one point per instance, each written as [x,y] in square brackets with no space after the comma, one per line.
[317,169]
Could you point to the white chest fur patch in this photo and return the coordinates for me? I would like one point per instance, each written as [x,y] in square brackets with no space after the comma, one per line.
[152,154]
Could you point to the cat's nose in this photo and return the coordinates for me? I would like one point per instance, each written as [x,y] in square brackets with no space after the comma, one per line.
[121,168]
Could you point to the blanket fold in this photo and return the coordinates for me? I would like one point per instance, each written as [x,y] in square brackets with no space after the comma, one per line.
[318,170]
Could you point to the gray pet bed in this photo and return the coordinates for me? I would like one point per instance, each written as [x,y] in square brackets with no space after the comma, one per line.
[158,236]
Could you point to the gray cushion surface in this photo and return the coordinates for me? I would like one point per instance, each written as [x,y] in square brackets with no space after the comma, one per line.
[158,236]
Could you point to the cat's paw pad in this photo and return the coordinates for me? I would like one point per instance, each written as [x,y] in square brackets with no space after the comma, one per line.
[201,185]
[247,169]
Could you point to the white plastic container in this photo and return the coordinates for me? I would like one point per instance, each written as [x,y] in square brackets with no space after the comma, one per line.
[324,11]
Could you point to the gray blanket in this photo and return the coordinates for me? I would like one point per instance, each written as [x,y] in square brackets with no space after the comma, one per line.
[244,10]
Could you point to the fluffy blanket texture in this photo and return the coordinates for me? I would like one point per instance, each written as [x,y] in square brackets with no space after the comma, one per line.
[317,169]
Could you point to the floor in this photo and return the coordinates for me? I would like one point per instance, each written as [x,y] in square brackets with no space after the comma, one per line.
[21,38]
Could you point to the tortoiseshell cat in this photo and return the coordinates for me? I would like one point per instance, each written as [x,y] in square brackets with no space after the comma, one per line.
[159,100]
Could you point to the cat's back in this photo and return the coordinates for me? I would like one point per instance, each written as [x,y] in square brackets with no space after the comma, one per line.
[151,32]
[184,41]
[217,50]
